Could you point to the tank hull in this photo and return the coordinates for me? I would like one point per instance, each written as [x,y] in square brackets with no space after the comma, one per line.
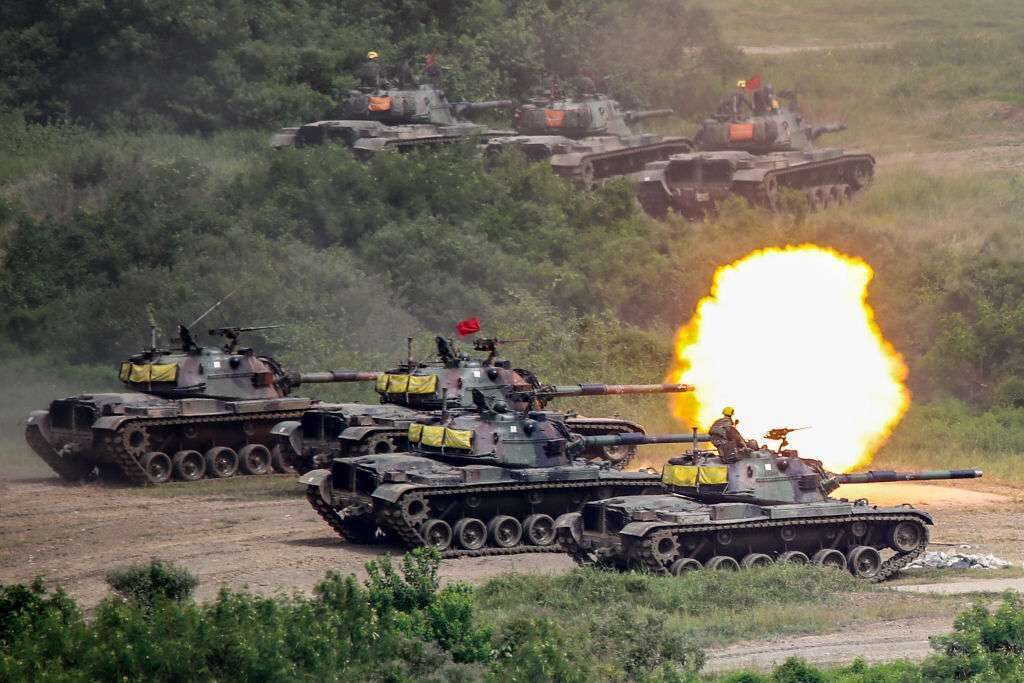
[590,162]
[115,433]
[695,184]
[669,533]
[367,138]
[478,509]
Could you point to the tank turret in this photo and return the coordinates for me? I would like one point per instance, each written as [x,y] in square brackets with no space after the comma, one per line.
[454,381]
[768,477]
[747,507]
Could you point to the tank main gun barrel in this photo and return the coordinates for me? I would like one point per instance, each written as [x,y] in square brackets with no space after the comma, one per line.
[640,115]
[816,131]
[884,476]
[551,391]
[637,439]
[463,108]
[331,376]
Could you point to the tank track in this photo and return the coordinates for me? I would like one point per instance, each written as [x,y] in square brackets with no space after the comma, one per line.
[400,526]
[67,469]
[649,560]
[326,512]
[129,466]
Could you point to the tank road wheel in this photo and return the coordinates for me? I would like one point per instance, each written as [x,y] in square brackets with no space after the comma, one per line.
[376,444]
[827,557]
[539,529]
[793,557]
[436,534]
[189,465]
[864,562]
[505,531]
[685,565]
[221,462]
[817,198]
[722,563]
[157,466]
[756,560]
[254,459]
[470,533]
[279,462]
[135,439]
[906,537]
[585,175]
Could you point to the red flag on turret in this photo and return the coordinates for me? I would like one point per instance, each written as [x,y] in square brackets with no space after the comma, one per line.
[468,326]
[753,83]
[431,60]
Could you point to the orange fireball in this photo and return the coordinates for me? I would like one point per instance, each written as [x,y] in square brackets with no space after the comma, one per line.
[788,339]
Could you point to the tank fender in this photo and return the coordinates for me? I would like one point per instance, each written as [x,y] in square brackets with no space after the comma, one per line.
[572,522]
[290,431]
[390,493]
[640,529]
[110,423]
[359,433]
[40,419]
[320,479]
[750,175]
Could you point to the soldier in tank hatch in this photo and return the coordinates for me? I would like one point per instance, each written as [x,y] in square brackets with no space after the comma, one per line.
[725,437]
[369,72]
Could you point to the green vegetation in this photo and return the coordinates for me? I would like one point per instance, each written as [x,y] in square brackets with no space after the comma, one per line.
[400,625]
[109,207]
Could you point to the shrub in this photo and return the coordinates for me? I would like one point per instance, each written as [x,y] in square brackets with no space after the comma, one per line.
[145,585]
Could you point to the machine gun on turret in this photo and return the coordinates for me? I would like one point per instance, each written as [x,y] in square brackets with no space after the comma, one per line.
[781,434]
[231,335]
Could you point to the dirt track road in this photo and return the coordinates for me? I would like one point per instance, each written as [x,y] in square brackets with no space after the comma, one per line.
[268,538]
[270,542]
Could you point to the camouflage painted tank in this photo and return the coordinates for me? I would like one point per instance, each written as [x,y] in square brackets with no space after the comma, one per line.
[190,412]
[489,482]
[756,156]
[753,508]
[394,119]
[416,390]
[587,140]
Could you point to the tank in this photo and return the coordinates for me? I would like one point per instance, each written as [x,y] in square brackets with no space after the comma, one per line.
[399,118]
[749,508]
[756,156]
[418,390]
[188,413]
[486,483]
[587,140]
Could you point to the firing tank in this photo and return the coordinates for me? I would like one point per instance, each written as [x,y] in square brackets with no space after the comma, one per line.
[748,508]
[189,412]
[417,390]
[587,139]
[399,118]
[485,483]
[755,151]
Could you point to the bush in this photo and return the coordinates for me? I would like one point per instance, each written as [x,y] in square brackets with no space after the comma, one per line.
[146,585]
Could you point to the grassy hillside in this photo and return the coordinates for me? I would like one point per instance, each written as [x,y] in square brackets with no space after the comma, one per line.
[99,220]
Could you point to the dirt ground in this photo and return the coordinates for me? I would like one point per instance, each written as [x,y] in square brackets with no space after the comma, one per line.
[262,533]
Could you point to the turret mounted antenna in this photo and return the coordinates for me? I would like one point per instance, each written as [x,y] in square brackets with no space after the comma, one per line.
[211,309]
